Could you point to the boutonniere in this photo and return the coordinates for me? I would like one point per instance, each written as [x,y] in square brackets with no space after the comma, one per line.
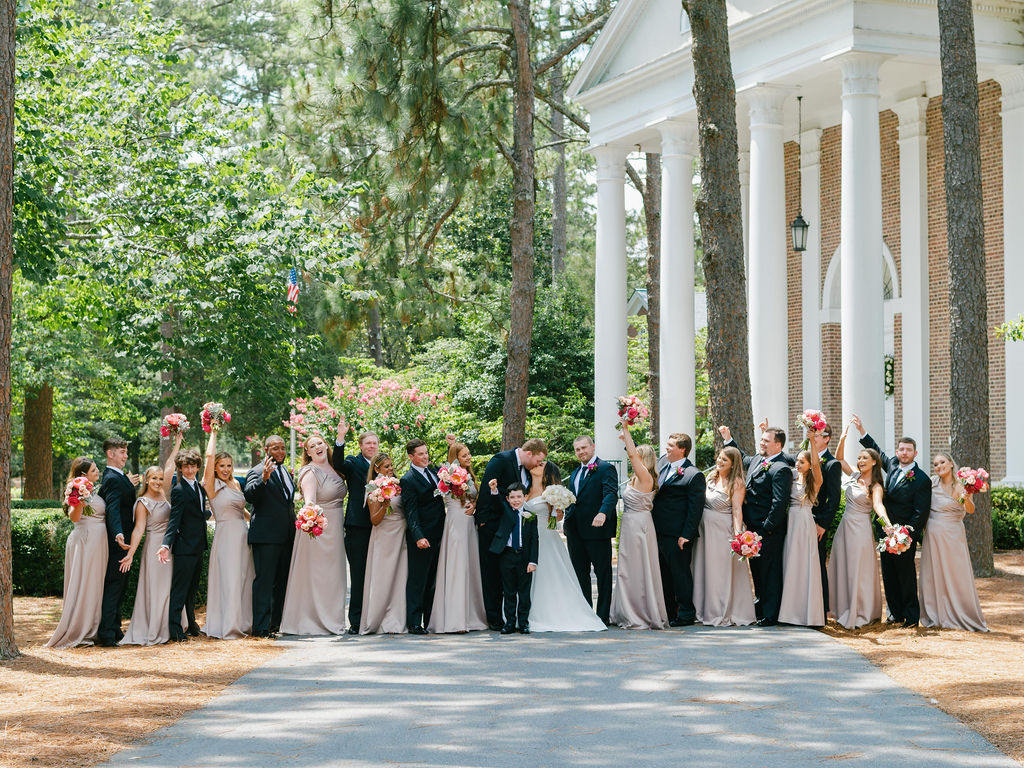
[909,475]
[765,463]
[679,471]
[591,466]
[821,459]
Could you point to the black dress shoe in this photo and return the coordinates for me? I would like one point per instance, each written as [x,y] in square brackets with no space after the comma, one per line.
[524,630]
[193,630]
[106,643]
[352,631]
[495,627]
[767,622]
[179,638]
[417,631]
[508,629]
[682,622]
[909,624]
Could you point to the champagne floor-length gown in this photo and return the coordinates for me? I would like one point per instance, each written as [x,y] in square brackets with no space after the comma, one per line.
[854,582]
[229,585]
[85,564]
[802,600]
[946,584]
[722,591]
[387,570]
[314,603]
[638,601]
[153,595]
[459,594]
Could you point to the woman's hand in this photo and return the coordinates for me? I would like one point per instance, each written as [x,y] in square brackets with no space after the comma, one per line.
[126,562]
[342,429]
[726,433]
[470,508]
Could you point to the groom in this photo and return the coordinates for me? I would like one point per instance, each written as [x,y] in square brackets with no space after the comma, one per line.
[424,517]
[590,523]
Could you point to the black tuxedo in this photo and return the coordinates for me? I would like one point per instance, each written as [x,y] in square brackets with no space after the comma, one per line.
[597,492]
[516,583]
[118,493]
[766,512]
[504,467]
[354,469]
[186,538]
[424,518]
[271,536]
[678,508]
[824,511]
[907,502]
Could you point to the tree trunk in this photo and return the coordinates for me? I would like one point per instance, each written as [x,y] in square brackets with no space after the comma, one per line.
[721,226]
[652,218]
[38,440]
[376,346]
[8,646]
[965,241]
[166,381]
[559,236]
[517,375]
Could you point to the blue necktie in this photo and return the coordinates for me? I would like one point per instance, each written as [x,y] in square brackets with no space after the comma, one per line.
[517,532]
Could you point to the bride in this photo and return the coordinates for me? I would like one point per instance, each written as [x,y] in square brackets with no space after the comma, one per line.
[557,605]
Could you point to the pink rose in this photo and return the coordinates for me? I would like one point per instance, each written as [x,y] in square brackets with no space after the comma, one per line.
[165,431]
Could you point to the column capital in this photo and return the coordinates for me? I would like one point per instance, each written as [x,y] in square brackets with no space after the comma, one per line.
[860,73]
[677,138]
[912,115]
[611,162]
[1011,82]
[765,103]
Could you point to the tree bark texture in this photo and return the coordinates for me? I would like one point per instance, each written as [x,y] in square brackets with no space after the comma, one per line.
[167,382]
[374,333]
[559,236]
[8,646]
[523,293]
[721,226]
[965,241]
[652,220]
[38,441]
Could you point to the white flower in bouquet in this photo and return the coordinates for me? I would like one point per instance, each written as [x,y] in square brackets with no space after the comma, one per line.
[558,496]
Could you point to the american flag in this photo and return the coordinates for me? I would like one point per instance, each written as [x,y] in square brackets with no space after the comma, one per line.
[293,285]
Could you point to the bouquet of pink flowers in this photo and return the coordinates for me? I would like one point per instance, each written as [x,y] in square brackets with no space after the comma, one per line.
[173,424]
[631,410]
[78,492]
[383,489]
[746,544]
[311,520]
[811,420]
[452,480]
[974,480]
[214,417]
[897,539]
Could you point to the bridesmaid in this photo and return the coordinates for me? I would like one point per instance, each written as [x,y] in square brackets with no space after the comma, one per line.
[854,583]
[153,594]
[229,584]
[722,591]
[85,563]
[314,603]
[387,563]
[946,586]
[459,595]
[638,601]
[802,599]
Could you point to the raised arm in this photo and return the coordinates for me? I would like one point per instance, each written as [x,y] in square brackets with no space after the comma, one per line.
[644,481]
[726,434]
[208,467]
[338,456]
[841,451]
[877,494]
[169,467]
[869,442]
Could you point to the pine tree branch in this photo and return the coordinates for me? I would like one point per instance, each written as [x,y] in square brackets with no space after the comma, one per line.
[505,150]
[436,228]
[634,177]
[484,84]
[571,44]
[546,98]
[475,49]
[488,28]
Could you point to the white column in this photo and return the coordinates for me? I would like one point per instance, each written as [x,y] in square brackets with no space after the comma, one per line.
[913,144]
[677,376]
[745,206]
[1013,263]
[810,269]
[766,293]
[609,299]
[861,242]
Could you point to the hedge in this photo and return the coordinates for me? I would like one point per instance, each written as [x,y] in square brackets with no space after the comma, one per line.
[1008,518]
[38,537]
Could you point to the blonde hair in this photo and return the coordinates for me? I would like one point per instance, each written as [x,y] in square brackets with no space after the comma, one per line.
[810,489]
[736,473]
[649,458]
[146,476]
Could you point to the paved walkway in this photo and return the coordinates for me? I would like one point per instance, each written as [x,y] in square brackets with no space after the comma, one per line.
[699,696]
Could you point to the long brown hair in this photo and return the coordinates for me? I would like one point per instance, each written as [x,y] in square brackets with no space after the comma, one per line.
[306,459]
[810,489]
[453,458]
[80,466]
[876,470]
[735,472]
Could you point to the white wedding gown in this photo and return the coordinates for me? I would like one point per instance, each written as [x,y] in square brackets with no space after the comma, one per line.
[557,605]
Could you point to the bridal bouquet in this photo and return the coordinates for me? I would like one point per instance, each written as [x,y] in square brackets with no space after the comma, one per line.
[746,544]
[631,410]
[452,480]
[559,497]
[214,417]
[811,420]
[311,520]
[897,539]
[974,480]
[383,489]
[173,424]
[79,491]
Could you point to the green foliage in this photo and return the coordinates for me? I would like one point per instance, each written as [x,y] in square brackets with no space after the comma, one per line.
[1007,517]
[1011,330]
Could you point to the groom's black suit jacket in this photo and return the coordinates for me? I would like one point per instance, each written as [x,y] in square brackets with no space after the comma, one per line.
[186,529]
[679,503]
[907,502]
[598,492]
[118,493]
[505,469]
[424,511]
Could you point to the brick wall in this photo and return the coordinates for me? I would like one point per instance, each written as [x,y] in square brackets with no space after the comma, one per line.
[831,376]
[794,294]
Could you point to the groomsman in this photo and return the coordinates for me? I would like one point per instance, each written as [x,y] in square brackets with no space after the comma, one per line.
[357,515]
[824,511]
[117,490]
[590,523]
[765,512]
[908,500]
[507,467]
[424,518]
[186,537]
[270,489]
[678,507]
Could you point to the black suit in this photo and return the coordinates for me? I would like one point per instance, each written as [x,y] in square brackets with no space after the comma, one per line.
[271,536]
[907,502]
[597,493]
[678,508]
[505,468]
[824,511]
[118,493]
[516,582]
[424,519]
[354,469]
[186,539]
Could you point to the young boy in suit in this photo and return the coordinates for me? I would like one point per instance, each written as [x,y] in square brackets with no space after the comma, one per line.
[516,543]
